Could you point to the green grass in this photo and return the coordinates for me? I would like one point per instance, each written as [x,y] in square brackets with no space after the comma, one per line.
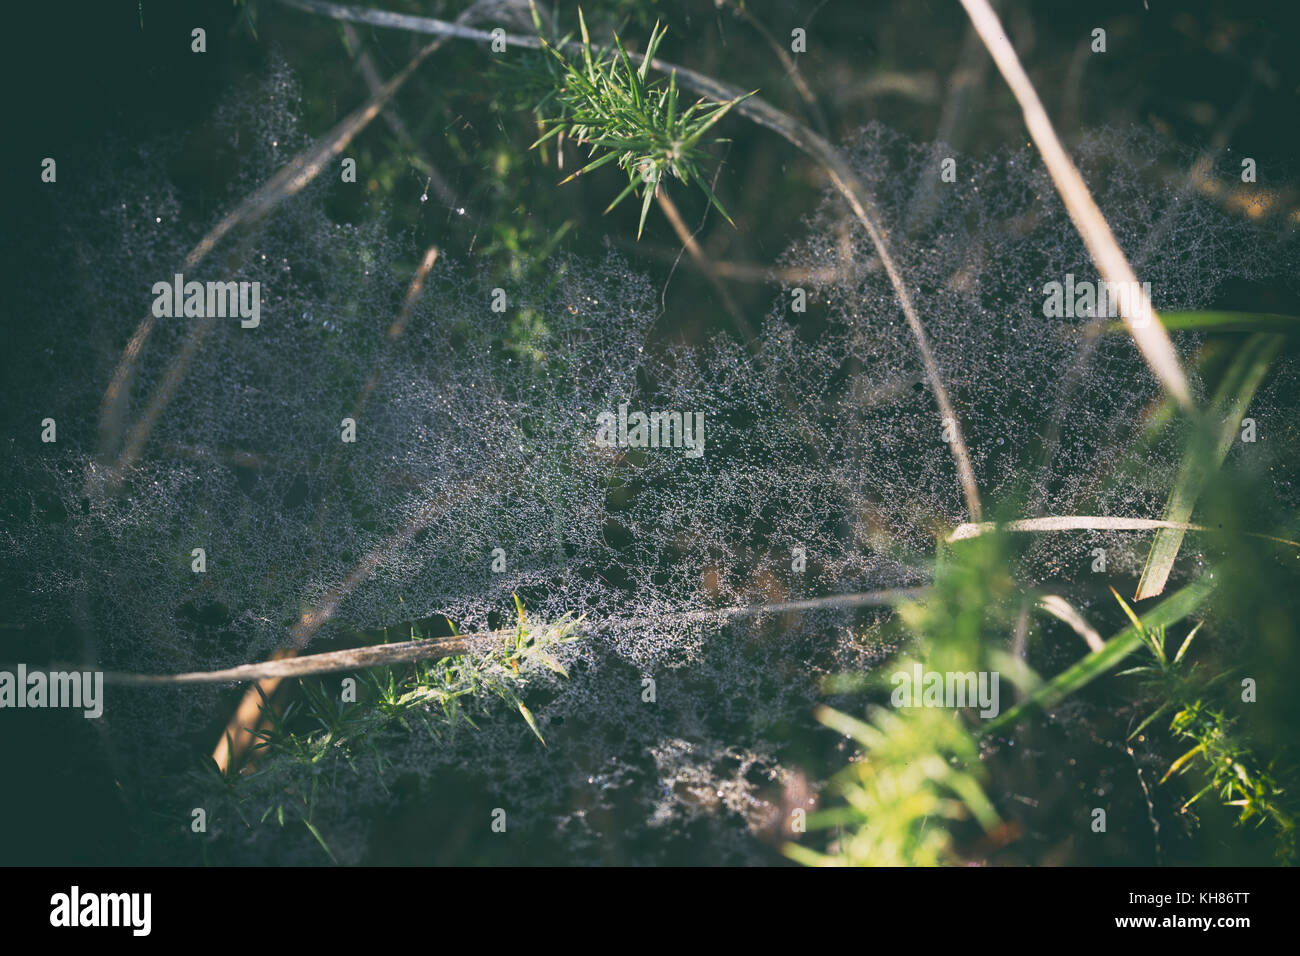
[917,770]
[609,106]
[1220,751]
[1208,448]
[1220,321]
[1074,678]
[318,732]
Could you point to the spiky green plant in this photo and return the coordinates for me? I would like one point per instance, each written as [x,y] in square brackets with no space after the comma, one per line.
[610,106]
[918,770]
[318,734]
[1219,748]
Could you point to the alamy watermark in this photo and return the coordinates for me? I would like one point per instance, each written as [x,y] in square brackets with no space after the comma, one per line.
[73,909]
[922,688]
[655,430]
[84,690]
[1086,299]
[210,300]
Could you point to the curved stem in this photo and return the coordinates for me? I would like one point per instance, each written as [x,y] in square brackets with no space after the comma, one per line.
[1143,324]
[359,658]
[797,134]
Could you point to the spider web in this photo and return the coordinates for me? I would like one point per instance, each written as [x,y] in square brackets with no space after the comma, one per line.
[821,436]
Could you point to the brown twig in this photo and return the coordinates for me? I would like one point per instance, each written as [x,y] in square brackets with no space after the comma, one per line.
[407,651]
[754,108]
[787,62]
[291,179]
[1143,324]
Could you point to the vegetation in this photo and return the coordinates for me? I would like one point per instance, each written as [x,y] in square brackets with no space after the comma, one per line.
[919,778]
[484,174]
[322,731]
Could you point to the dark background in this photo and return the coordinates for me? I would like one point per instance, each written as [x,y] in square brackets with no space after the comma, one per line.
[80,75]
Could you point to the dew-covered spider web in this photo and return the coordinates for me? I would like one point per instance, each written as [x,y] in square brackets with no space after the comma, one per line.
[476,430]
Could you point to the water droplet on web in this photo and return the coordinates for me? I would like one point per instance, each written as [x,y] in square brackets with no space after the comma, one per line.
[833,429]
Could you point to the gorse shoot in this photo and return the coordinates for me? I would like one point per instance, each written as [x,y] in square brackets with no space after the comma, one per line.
[917,770]
[609,105]
[1168,678]
[1235,773]
[321,731]
[435,694]
[1219,748]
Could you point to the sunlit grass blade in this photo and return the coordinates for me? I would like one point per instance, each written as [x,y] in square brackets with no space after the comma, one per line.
[1153,638]
[806,857]
[1206,452]
[596,164]
[717,203]
[1169,611]
[321,840]
[528,716]
[1056,523]
[1187,642]
[645,207]
[848,725]
[1217,321]
[708,123]
[1159,712]
[549,134]
[1178,764]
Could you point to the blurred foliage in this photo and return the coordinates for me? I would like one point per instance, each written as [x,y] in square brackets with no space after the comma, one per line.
[918,769]
[317,734]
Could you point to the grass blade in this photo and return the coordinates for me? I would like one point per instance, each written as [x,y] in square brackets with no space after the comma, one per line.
[1206,453]
[1169,611]
[319,839]
[973,529]
[528,716]
[1139,317]
[1214,321]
